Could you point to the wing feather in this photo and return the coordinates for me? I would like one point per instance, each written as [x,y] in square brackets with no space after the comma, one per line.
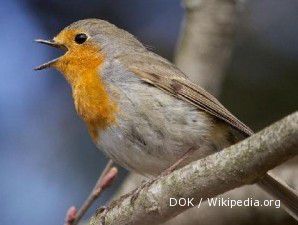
[157,71]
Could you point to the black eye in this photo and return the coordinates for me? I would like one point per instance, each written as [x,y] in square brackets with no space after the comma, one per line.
[80,38]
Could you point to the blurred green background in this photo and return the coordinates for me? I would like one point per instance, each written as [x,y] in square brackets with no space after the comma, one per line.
[47,159]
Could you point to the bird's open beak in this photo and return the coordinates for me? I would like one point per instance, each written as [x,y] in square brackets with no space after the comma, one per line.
[51,43]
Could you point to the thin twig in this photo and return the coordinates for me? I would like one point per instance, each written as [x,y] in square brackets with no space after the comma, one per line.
[104,181]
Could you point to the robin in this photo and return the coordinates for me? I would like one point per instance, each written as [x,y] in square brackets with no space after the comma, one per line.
[140,109]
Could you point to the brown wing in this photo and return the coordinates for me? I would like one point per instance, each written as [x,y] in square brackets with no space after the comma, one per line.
[164,75]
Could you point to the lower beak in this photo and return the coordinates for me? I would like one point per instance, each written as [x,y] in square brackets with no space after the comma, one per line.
[51,43]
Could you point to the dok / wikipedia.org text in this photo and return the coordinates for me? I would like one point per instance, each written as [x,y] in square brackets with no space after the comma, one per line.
[224,202]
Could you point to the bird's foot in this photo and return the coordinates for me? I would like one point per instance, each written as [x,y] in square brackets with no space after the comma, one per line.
[145,184]
[103,210]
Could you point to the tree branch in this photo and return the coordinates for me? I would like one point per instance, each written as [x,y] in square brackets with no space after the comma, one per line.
[206,41]
[243,163]
[106,178]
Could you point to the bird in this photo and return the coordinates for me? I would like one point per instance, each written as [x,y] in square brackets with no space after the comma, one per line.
[140,109]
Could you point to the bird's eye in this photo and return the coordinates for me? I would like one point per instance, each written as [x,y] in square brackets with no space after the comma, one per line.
[80,38]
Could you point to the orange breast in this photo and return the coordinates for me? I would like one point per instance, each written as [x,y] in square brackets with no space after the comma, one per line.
[93,103]
[81,66]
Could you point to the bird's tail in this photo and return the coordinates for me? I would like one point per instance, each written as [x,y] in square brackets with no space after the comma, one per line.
[279,190]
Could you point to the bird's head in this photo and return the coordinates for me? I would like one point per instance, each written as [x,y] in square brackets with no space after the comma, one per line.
[88,43]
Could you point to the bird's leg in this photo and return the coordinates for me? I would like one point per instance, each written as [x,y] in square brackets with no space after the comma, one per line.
[104,181]
[167,171]
[103,210]
[177,163]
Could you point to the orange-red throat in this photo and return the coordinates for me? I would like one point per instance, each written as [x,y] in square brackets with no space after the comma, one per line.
[81,66]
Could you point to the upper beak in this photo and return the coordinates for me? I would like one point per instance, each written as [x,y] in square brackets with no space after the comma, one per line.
[51,43]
